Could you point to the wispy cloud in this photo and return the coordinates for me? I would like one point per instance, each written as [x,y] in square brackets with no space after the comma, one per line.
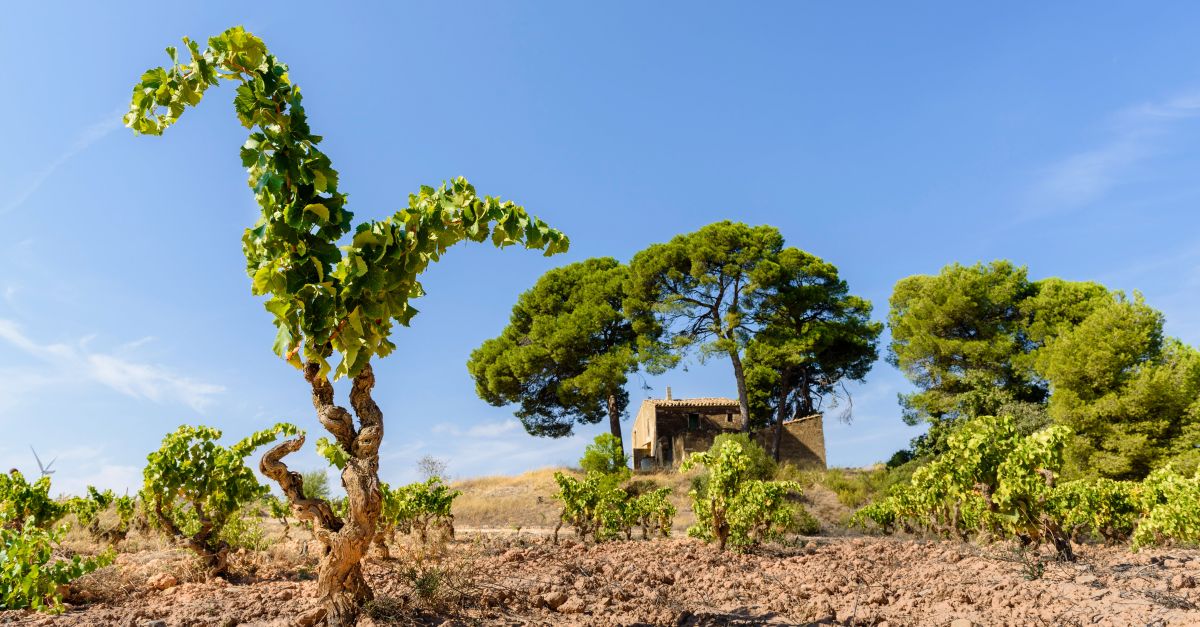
[122,374]
[485,430]
[487,448]
[86,138]
[1134,136]
[75,467]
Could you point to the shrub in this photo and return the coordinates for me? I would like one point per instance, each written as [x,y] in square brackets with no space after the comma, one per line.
[654,512]
[1097,508]
[89,509]
[604,504]
[605,456]
[599,507]
[29,577]
[1170,504]
[194,487]
[990,478]
[736,508]
[416,509]
[280,510]
[21,500]
[316,484]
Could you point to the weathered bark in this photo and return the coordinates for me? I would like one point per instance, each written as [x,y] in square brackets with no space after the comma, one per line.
[340,583]
[743,398]
[614,419]
[381,546]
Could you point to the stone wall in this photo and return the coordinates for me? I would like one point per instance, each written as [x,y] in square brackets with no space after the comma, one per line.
[802,442]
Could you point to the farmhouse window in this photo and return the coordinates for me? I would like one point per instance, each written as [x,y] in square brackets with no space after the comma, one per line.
[693,422]
[729,417]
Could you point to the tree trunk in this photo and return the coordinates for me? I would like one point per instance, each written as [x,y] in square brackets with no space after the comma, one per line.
[614,420]
[743,398]
[340,583]
[780,413]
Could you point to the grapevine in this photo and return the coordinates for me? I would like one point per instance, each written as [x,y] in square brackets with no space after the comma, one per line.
[194,487]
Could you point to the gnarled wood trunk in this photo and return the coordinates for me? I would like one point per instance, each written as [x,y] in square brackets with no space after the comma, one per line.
[340,583]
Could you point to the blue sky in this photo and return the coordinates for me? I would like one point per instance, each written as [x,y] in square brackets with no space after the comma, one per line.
[889,139]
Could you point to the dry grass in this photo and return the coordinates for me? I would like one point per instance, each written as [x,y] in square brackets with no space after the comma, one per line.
[526,501]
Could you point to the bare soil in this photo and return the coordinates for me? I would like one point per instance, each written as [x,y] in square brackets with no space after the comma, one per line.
[523,579]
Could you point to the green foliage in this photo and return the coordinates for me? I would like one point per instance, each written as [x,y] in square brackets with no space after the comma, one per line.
[21,500]
[813,336]
[316,482]
[324,299]
[696,291]
[244,530]
[279,509]
[759,464]
[736,509]
[854,488]
[959,336]
[30,576]
[417,508]
[195,486]
[599,507]
[604,505]
[1130,397]
[1170,505]
[985,340]
[88,510]
[1097,508]
[994,481]
[605,456]
[653,512]
[567,350]
[582,501]
[990,479]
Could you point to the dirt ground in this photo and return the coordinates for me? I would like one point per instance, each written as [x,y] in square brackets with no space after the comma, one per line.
[523,579]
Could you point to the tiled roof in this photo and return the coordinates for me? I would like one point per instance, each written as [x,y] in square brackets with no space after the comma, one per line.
[691,402]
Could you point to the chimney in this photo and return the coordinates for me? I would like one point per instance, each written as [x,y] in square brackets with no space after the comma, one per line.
[668,392]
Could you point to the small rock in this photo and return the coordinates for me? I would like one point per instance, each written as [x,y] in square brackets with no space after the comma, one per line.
[554,599]
[162,581]
[581,584]
[155,623]
[1182,582]
[884,624]
[573,605]
[1085,579]
[311,617]
[961,622]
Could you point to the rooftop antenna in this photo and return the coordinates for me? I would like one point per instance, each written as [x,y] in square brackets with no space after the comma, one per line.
[45,470]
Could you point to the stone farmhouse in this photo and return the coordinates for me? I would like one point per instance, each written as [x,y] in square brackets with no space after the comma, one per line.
[667,429]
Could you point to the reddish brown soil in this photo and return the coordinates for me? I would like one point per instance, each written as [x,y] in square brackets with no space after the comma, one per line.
[527,581]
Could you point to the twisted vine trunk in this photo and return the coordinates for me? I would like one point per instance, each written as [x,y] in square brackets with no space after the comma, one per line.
[340,583]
